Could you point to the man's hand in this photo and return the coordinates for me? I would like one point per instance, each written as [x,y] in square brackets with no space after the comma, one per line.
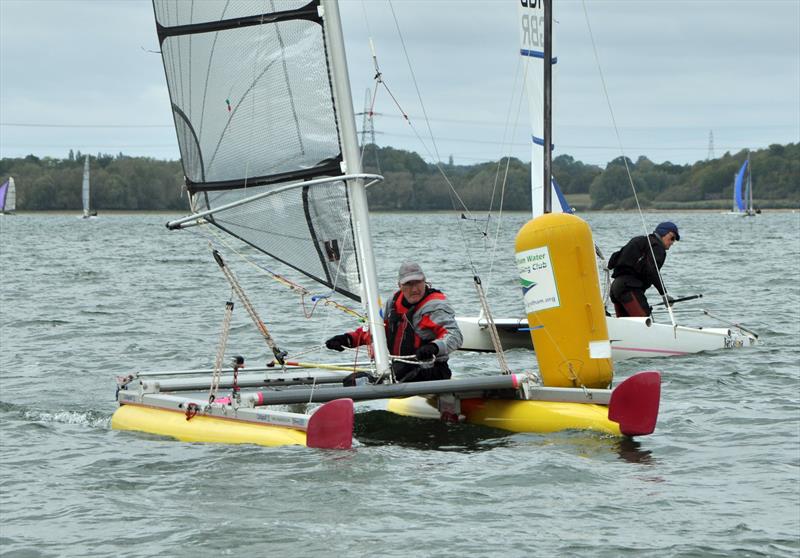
[427,351]
[668,300]
[338,342]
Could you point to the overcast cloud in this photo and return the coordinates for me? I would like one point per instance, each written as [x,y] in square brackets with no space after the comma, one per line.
[78,75]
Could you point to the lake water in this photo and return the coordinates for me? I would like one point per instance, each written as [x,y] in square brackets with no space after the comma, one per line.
[85,301]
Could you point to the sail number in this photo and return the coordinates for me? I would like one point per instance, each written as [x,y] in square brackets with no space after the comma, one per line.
[532,23]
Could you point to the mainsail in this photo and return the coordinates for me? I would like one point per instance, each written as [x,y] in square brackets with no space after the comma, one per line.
[264,117]
[253,106]
[531,14]
[85,194]
[8,196]
[738,198]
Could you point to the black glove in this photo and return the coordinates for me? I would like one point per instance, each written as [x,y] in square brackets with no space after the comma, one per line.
[338,342]
[427,351]
[668,300]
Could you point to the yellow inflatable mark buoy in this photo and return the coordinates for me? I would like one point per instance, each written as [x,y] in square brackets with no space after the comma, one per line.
[561,290]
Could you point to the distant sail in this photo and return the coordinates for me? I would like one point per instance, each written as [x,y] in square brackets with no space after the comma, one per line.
[254,112]
[85,194]
[737,187]
[531,16]
[8,196]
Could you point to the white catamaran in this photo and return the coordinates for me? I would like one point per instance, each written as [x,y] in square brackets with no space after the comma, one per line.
[265,124]
[8,197]
[630,337]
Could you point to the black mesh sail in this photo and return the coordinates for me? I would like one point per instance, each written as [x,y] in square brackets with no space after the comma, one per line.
[254,113]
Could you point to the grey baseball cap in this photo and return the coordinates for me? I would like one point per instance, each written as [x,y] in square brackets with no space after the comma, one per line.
[410,271]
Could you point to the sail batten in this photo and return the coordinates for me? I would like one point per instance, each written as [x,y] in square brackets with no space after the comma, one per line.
[308,12]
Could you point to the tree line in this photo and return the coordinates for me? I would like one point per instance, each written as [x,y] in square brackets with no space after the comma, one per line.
[120,182]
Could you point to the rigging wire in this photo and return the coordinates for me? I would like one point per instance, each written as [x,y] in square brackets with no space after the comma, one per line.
[435,156]
[210,234]
[624,157]
[223,342]
[485,310]
[498,227]
[291,285]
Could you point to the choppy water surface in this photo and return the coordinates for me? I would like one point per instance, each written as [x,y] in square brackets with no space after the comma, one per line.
[84,301]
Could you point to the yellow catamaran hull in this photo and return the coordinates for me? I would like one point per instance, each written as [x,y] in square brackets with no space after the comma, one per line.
[328,426]
[517,416]
[163,422]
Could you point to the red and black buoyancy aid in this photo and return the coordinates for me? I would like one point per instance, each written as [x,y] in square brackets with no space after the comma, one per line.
[401,334]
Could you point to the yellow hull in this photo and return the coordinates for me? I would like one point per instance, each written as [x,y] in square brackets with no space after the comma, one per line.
[518,416]
[200,428]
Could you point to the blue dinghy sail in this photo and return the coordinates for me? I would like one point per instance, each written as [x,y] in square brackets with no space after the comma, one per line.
[743,190]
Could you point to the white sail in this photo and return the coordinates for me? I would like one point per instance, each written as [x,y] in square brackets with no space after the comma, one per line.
[262,108]
[85,194]
[8,196]
[531,17]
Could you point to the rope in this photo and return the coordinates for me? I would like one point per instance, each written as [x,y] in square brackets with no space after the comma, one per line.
[262,328]
[606,273]
[486,313]
[624,157]
[291,285]
[223,341]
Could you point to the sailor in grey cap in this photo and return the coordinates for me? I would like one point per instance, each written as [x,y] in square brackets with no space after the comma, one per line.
[419,322]
[635,271]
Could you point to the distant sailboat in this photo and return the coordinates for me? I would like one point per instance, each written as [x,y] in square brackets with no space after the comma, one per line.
[8,197]
[743,191]
[87,212]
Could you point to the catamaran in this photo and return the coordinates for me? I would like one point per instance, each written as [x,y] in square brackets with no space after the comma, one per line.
[87,212]
[630,337]
[265,124]
[8,197]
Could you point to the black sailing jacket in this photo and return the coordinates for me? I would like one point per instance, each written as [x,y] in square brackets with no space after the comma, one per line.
[633,264]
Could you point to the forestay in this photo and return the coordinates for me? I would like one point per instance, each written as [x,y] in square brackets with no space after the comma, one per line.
[253,106]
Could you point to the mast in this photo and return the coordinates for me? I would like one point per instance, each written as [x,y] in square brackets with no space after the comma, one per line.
[548,105]
[334,41]
[749,185]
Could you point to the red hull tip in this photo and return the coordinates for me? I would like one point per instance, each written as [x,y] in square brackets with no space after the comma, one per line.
[634,403]
[331,426]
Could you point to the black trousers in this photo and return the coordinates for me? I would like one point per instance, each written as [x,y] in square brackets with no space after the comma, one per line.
[628,301]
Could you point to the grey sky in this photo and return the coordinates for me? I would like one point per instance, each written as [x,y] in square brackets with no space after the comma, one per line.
[674,70]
